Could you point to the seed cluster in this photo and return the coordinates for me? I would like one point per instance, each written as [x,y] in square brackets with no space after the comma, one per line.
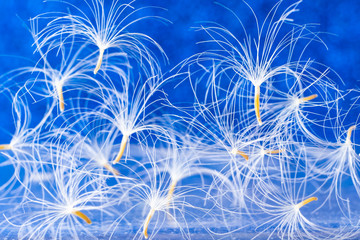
[263,137]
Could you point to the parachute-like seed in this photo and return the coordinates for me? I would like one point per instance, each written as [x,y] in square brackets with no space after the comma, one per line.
[106,27]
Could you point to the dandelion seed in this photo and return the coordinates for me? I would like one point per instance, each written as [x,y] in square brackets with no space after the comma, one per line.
[105,28]
[253,60]
[24,137]
[49,81]
[127,110]
[223,134]
[94,142]
[281,203]
[183,161]
[294,110]
[333,164]
[55,208]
